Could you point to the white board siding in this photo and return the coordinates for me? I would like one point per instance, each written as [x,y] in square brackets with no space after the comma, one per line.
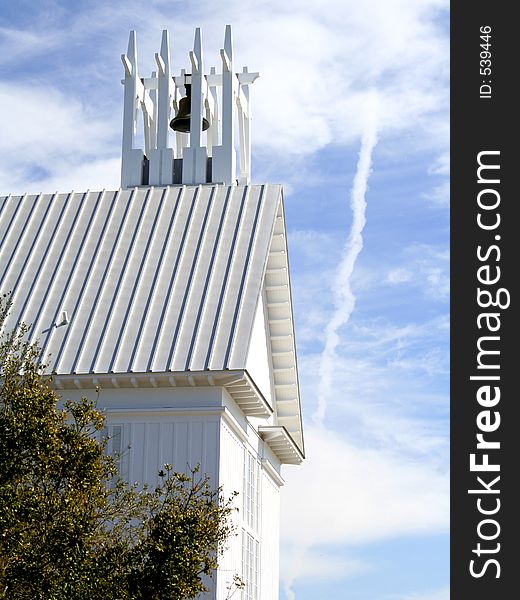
[116,446]
[150,442]
[257,364]
[152,398]
[270,538]
[163,426]
[231,478]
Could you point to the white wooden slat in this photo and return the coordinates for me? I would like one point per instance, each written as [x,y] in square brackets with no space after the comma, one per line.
[155,358]
[74,271]
[109,273]
[204,345]
[82,290]
[135,312]
[193,301]
[41,305]
[183,300]
[237,264]
[122,299]
[22,233]
[158,279]
[180,279]
[9,207]
[48,231]
[239,339]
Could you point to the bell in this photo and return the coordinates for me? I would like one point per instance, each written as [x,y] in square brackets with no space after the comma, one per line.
[181,122]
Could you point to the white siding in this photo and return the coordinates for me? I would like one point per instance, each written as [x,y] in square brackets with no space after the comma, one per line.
[150,442]
[257,363]
[189,398]
[184,426]
[231,478]
[270,538]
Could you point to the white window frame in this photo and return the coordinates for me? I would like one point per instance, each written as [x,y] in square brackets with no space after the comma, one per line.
[251,527]
[251,492]
[250,566]
[114,432]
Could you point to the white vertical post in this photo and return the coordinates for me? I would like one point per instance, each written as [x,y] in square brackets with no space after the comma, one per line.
[243,127]
[161,159]
[213,131]
[245,79]
[153,97]
[224,158]
[242,133]
[131,159]
[196,91]
[181,141]
[244,115]
[149,110]
[164,91]
[195,155]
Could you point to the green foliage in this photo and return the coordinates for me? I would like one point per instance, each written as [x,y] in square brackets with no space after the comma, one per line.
[70,528]
[184,514]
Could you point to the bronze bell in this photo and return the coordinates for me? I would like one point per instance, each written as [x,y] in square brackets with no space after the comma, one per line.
[181,122]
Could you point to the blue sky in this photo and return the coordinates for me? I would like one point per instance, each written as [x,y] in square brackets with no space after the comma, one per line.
[338,78]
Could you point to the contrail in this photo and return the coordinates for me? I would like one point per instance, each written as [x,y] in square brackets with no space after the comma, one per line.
[297,555]
[344,301]
[344,298]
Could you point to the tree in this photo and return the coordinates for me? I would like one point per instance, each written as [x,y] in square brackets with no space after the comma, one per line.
[70,528]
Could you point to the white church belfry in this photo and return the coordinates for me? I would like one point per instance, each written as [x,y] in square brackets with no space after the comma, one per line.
[205,153]
[172,295]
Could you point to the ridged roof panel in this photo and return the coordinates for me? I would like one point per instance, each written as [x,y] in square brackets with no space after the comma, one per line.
[151,279]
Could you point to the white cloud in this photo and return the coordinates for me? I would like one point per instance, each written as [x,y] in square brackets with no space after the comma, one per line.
[315,565]
[315,244]
[345,489]
[92,175]
[423,267]
[431,362]
[371,407]
[320,64]
[43,120]
[441,165]
[440,594]
[384,437]
[344,298]
[432,268]
[399,275]
[440,194]
[319,70]
[16,44]
[349,483]
[50,141]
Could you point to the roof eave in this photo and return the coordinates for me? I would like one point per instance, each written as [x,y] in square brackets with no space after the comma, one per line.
[282,444]
[237,383]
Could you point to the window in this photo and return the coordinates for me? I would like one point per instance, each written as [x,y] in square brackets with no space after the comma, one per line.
[251,491]
[250,543]
[250,554]
[114,447]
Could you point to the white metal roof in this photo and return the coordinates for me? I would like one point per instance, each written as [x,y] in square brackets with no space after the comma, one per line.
[152,280]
